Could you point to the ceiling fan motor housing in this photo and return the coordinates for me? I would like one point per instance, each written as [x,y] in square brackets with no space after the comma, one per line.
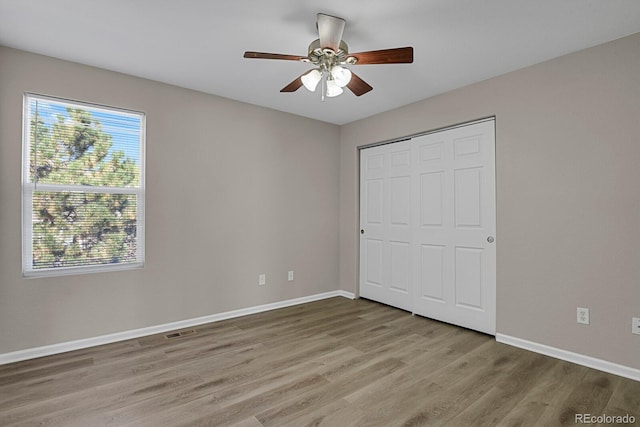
[327,58]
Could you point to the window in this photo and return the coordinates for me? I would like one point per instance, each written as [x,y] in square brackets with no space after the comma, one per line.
[82,187]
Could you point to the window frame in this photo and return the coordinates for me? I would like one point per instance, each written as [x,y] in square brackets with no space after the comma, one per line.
[28,188]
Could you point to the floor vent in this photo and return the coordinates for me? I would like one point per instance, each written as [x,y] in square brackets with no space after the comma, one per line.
[180,334]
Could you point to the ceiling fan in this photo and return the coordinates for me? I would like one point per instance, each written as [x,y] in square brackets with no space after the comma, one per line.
[329,54]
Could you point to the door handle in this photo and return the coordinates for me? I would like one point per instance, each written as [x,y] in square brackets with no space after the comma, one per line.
[490,239]
[362,231]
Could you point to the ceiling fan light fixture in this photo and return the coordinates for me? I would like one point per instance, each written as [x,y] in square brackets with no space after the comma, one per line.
[341,75]
[333,89]
[329,53]
[311,79]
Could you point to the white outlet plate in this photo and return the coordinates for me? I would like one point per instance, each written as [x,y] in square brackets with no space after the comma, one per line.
[583,315]
[290,276]
[262,279]
[635,325]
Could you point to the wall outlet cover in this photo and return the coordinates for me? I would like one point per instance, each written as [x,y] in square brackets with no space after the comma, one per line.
[583,315]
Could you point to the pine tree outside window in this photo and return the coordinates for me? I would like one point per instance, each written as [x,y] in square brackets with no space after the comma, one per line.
[82,187]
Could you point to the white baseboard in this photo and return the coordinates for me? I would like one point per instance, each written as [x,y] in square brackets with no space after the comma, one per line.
[346,294]
[569,356]
[32,353]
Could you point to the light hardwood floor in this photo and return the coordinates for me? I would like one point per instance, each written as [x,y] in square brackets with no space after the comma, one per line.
[335,362]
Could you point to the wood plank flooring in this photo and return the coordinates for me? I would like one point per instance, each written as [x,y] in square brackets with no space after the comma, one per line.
[335,362]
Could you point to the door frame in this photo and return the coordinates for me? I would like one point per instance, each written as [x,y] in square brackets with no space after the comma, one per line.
[408,137]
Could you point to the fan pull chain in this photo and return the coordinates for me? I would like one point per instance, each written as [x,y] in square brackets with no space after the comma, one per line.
[324,84]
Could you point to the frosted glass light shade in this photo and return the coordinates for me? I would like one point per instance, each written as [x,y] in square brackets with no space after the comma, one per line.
[341,75]
[311,79]
[333,89]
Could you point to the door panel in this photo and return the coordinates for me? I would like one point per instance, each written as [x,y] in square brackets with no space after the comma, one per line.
[468,277]
[467,185]
[431,199]
[431,272]
[467,203]
[373,255]
[385,246]
[374,201]
[400,207]
[400,277]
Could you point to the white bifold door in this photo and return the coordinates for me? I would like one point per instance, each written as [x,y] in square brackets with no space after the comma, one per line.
[427,218]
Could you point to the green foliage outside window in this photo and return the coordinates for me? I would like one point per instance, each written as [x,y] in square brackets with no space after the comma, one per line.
[72,227]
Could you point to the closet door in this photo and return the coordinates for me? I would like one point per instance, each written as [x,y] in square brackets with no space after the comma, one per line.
[427,218]
[454,226]
[385,221]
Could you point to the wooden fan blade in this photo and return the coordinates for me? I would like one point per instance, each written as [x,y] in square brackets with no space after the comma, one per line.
[264,55]
[358,86]
[293,86]
[399,55]
[330,29]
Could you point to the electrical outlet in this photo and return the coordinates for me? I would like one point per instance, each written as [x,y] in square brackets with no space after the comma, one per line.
[290,276]
[635,325]
[262,279]
[583,315]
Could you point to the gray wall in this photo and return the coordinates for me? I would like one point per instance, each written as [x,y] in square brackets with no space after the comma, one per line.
[568,203]
[233,190]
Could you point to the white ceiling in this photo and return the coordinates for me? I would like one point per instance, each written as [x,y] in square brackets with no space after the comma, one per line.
[198,44]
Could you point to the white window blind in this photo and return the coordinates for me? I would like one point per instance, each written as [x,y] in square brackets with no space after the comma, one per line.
[82,187]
